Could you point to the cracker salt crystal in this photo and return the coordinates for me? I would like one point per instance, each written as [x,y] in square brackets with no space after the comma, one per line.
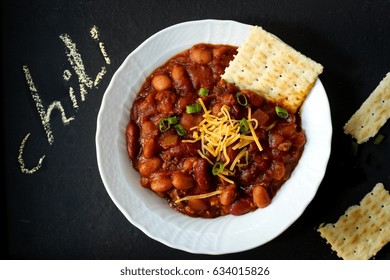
[364,229]
[266,65]
[372,115]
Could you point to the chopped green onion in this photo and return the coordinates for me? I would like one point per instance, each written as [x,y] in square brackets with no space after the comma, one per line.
[194,108]
[173,120]
[164,125]
[379,138]
[241,99]
[203,92]
[281,112]
[217,168]
[180,130]
[244,126]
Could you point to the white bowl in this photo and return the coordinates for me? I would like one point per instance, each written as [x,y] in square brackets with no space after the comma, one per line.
[150,213]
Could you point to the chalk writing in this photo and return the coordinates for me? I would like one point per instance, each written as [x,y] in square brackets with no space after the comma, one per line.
[85,83]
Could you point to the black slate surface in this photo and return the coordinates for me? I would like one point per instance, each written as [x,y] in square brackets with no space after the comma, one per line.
[63,210]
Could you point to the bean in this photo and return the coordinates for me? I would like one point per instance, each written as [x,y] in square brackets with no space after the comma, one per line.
[277,170]
[241,206]
[202,174]
[228,194]
[181,81]
[260,196]
[201,55]
[219,52]
[149,147]
[198,205]
[147,167]
[161,82]
[161,183]
[132,136]
[183,181]
[148,130]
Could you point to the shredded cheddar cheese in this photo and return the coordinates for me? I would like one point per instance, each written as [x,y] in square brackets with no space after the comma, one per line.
[217,133]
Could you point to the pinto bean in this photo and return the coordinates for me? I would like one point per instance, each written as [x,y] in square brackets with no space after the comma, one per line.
[198,205]
[219,52]
[181,82]
[161,82]
[147,167]
[202,174]
[149,147]
[228,194]
[260,196]
[183,181]
[201,55]
[132,136]
[161,183]
[277,170]
[148,130]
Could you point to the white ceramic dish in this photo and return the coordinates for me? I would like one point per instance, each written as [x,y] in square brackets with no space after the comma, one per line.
[152,214]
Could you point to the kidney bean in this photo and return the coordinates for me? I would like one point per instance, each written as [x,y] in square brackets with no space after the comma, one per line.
[260,196]
[148,130]
[147,167]
[241,206]
[202,174]
[183,181]
[132,136]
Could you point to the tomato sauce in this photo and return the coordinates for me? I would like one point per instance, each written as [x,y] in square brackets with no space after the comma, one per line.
[160,131]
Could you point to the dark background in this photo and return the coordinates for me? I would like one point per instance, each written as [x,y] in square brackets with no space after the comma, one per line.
[64,212]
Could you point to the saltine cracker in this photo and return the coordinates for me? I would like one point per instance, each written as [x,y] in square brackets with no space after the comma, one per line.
[364,229]
[266,65]
[372,114]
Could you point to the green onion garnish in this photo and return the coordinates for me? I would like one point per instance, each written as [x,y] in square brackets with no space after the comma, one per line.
[165,123]
[193,108]
[281,112]
[180,130]
[173,120]
[203,92]
[379,138]
[244,126]
[241,99]
[217,168]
